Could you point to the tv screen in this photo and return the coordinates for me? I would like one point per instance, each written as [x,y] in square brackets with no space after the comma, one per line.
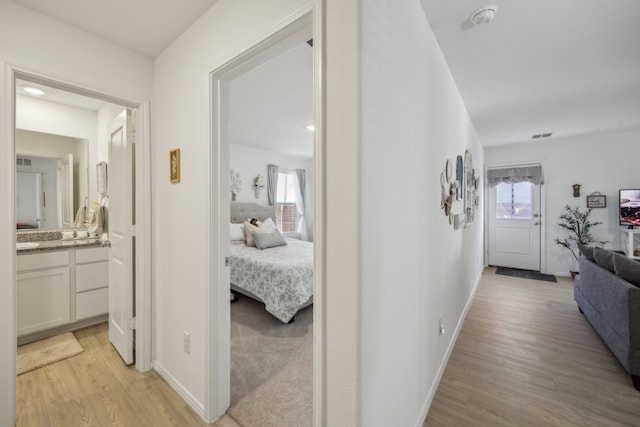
[630,207]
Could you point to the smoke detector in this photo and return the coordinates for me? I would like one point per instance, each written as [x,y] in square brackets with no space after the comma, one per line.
[484,15]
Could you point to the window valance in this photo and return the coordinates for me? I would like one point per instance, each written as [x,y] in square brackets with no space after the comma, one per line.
[515,174]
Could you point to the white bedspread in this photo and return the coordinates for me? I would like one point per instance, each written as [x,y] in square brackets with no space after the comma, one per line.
[282,276]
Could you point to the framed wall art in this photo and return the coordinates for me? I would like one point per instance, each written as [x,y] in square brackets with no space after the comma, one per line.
[174,165]
[596,200]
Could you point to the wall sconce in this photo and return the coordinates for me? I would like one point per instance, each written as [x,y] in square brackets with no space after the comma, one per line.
[576,190]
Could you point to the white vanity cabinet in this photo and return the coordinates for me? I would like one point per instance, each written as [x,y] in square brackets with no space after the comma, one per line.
[43,291]
[61,287]
[92,281]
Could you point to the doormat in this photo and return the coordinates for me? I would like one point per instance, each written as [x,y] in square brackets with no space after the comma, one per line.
[525,274]
[45,352]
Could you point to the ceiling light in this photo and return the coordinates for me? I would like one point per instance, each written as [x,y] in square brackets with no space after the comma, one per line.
[310,128]
[33,90]
[484,15]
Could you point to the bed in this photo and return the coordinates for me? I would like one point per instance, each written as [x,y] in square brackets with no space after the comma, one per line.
[281,277]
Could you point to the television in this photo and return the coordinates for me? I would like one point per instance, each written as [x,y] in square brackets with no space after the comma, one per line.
[630,208]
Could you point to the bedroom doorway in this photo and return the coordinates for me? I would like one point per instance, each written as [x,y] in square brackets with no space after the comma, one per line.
[235,151]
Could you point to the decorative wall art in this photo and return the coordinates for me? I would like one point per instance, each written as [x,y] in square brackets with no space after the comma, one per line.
[174,165]
[596,200]
[464,187]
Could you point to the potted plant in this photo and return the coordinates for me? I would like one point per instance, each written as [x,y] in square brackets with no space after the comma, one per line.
[577,223]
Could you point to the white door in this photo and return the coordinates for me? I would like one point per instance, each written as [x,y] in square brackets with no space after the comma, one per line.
[514,226]
[121,220]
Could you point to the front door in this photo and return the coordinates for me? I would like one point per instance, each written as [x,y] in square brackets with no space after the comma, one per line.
[514,225]
[121,220]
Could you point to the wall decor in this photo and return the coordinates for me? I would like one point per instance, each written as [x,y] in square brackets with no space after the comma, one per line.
[235,183]
[576,190]
[459,176]
[258,185]
[174,165]
[596,200]
[470,188]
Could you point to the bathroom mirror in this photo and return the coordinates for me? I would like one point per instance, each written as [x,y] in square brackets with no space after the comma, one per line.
[51,179]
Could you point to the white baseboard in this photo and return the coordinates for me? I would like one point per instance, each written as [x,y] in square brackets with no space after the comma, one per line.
[447,355]
[198,407]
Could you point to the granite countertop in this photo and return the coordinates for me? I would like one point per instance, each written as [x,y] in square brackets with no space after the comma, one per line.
[53,245]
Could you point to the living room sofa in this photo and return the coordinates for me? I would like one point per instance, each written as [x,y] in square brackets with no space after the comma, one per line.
[607,293]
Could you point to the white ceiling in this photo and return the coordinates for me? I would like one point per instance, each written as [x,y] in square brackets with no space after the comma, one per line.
[570,67]
[144,26]
[271,104]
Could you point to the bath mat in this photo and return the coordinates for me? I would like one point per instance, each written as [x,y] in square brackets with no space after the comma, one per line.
[45,352]
[525,274]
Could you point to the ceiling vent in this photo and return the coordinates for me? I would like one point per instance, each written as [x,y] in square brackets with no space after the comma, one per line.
[484,15]
[541,135]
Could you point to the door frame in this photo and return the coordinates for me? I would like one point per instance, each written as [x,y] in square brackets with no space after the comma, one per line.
[217,327]
[543,216]
[8,334]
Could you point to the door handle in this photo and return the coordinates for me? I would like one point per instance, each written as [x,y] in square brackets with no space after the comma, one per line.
[536,223]
[536,215]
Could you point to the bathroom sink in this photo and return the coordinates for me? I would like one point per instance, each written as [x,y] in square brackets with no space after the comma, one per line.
[27,245]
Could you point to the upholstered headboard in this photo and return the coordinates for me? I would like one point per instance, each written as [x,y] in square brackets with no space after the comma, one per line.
[241,211]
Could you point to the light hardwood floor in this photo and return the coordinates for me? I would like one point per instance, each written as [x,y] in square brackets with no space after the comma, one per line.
[95,389]
[526,357]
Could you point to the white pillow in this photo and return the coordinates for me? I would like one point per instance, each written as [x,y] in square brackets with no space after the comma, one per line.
[268,226]
[236,232]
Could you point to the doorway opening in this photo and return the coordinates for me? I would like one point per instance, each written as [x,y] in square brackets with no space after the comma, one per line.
[44,129]
[229,155]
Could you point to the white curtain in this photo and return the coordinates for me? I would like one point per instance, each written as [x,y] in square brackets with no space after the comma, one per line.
[302,226]
[272,184]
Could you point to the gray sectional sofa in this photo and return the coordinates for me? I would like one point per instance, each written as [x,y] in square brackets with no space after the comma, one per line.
[607,293]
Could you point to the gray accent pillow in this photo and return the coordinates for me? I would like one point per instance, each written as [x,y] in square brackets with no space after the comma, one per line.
[268,240]
[627,268]
[604,258]
[586,251]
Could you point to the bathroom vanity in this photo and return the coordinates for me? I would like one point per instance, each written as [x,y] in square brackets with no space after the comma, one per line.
[61,286]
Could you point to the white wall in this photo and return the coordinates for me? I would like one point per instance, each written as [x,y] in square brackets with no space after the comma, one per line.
[415,268]
[603,163]
[40,45]
[250,161]
[182,212]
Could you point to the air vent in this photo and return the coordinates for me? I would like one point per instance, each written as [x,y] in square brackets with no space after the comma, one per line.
[23,162]
[541,135]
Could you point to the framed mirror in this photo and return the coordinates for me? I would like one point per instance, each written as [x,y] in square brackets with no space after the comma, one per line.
[459,176]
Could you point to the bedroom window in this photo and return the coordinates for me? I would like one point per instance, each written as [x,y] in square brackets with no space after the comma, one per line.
[286,211]
[514,201]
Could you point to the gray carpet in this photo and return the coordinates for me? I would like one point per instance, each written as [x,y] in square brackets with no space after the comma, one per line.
[271,367]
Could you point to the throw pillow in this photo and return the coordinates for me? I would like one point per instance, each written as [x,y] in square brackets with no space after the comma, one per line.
[268,225]
[269,240]
[586,251]
[236,232]
[604,258]
[248,229]
[627,268]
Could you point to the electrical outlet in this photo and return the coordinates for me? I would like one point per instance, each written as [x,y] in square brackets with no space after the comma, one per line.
[186,342]
[440,327]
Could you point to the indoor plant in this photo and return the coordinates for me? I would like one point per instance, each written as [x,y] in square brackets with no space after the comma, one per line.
[577,223]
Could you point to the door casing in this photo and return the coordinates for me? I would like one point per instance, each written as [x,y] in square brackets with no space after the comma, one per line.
[8,335]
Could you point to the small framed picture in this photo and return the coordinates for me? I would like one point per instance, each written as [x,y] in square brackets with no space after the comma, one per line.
[174,165]
[596,201]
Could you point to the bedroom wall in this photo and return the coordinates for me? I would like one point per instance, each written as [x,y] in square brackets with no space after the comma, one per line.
[250,162]
[386,146]
[181,229]
[42,45]
[598,163]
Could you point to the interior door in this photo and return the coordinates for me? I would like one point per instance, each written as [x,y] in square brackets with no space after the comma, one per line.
[514,225]
[30,208]
[121,226]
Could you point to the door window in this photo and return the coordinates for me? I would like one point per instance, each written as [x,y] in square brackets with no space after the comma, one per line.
[514,201]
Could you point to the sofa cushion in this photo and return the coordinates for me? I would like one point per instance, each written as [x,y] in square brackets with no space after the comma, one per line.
[627,268]
[586,251]
[604,258]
